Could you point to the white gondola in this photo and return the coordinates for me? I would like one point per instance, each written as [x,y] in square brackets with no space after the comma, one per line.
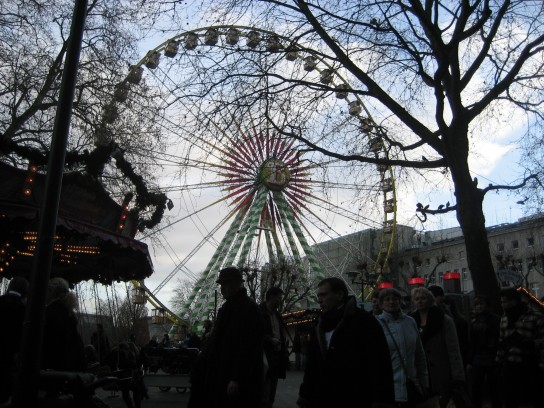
[211,37]
[365,124]
[387,185]
[111,113]
[341,91]
[139,296]
[253,39]
[309,63]
[152,60]
[232,37]
[190,41]
[389,205]
[291,55]
[171,49]
[273,44]
[326,76]
[376,145]
[121,92]
[135,74]
[354,108]
[382,168]
[158,316]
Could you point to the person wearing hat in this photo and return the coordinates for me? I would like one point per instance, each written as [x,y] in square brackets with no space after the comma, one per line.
[229,372]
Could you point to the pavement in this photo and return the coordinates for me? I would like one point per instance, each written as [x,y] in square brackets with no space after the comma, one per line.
[178,394]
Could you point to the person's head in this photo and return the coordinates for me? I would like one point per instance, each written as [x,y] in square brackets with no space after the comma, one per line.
[390,300]
[452,306]
[90,353]
[20,285]
[481,304]
[273,297]
[438,293]
[208,324]
[510,298]
[422,297]
[376,309]
[231,281]
[59,289]
[331,293]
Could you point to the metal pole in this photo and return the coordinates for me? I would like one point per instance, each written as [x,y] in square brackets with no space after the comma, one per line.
[26,385]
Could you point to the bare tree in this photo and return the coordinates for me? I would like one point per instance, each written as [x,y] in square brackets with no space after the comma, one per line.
[34,41]
[432,75]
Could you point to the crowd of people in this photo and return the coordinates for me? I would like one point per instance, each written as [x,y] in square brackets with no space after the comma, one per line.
[397,355]
[400,354]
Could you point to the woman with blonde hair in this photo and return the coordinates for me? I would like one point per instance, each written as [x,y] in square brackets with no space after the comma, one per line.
[441,346]
[63,347]
[410,376]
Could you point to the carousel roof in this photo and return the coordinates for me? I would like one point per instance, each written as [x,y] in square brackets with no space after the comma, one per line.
[93,239]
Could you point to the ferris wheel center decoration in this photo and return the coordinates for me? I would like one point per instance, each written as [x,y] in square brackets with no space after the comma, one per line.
[275,174]
[267,184]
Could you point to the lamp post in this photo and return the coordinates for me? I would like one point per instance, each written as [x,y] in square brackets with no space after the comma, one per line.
[361,276]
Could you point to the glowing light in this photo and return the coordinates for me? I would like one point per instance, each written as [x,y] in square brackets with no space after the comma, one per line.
[416,281]
[452,276]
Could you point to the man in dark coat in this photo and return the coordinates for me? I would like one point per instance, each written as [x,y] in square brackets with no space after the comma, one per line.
[100,342]
[229,372]
[520,351]
[275,344]
[348,362]
[62,347]
[12,314]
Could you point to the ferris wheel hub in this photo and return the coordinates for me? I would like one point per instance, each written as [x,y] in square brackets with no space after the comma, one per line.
[275,174]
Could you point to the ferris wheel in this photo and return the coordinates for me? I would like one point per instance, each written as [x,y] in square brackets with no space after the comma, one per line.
[256,195]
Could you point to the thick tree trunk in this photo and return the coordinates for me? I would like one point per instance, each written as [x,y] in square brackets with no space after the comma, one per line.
[472,221]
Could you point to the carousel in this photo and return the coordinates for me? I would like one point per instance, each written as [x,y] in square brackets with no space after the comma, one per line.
[93,238]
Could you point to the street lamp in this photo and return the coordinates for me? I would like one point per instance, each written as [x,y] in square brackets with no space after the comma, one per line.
[363,277]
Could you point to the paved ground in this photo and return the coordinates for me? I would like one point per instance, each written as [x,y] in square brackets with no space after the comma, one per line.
[285,398]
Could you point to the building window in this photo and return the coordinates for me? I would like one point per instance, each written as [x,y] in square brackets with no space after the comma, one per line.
[534,288]
[461,254]
[500,247]
[515,244]
[428,261]
[530,241]
[464,274]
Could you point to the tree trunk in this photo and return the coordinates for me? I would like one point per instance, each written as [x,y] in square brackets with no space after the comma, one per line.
[472,221]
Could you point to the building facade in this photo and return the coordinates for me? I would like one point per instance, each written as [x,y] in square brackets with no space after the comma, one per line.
[517,250]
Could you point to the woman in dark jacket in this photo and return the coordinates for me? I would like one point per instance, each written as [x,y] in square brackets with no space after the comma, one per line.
[441,345]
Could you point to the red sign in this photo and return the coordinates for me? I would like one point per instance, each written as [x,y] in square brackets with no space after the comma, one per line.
[385,285]
[451,275]
[416,281]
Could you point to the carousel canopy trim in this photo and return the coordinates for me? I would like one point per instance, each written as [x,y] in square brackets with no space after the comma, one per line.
[88,245]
